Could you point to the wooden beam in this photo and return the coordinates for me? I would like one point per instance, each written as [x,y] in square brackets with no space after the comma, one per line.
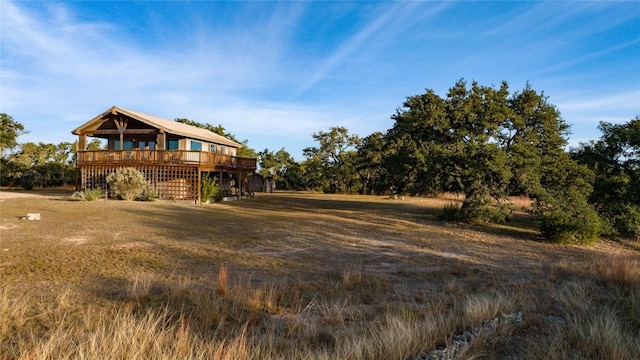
[82,142]
[160,140]
[130,131]
[121,124]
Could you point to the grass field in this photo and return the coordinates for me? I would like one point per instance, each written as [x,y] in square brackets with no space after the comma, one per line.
[303,276]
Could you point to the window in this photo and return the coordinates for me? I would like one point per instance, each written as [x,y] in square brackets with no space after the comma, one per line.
[144,144]
[212,148]
[127,145]
[196,146]
[172,144]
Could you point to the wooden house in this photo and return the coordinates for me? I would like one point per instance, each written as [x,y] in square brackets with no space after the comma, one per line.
[173,156]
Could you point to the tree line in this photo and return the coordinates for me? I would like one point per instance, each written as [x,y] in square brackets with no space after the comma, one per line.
[485,142]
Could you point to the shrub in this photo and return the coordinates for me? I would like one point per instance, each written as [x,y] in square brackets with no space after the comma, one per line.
[92,194]
[218,196]
[148,195]
[451,212]
[625,221]
[210,189]
[579,225]
[478,210]
[127,183]
[29,179]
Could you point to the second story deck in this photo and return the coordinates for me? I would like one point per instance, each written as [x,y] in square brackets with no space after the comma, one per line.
[208,161]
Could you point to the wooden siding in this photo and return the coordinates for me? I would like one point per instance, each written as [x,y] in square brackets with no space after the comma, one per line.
[206,161]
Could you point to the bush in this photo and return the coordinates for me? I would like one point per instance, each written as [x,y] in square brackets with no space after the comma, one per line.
[623,220]
[451,212]
[148,195]
[87,195]
[478,210]
[210,189]
[127,183]
[580,225]
[93,194]
[29,179]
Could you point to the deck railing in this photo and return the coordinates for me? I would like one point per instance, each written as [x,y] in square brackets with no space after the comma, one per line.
[149,157]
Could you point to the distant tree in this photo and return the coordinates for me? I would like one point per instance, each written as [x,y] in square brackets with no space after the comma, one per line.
[95,144]
[369,165]
[10,130]
[331,165]
[243,151]
[615,160]
[282,167]
[42,165]
[220,130]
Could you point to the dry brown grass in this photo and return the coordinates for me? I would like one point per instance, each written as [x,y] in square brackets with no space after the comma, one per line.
[621,269]
[300,276]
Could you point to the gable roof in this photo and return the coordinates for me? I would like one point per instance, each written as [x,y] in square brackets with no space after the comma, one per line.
[172,127]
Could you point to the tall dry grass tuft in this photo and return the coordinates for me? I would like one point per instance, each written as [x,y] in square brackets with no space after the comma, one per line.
[479,307]
[620,269]
[182,340]
[140,288]
[233,349]
[352,276]
[223,279]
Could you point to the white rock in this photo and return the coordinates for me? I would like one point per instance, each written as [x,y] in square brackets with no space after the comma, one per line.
[33,216]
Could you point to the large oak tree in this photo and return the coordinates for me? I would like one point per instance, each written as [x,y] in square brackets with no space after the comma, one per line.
[486,143]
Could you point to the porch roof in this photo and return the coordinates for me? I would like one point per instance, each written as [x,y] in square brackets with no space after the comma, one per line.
[168,126]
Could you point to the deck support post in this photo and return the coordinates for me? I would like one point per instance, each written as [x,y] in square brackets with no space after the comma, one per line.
[199,194]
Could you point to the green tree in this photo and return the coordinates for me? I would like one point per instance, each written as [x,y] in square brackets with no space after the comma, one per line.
[369,163]
[43,164]
[486,143]
[10,130]
[331,165]
[615,160]
[566,215]
[452,144]
[96,144]
[244,151]
[534,137]
[282,167]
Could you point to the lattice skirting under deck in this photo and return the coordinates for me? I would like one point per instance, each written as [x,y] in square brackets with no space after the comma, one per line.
[169,182]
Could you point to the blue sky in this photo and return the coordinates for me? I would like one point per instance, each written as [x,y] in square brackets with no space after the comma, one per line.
[275,72]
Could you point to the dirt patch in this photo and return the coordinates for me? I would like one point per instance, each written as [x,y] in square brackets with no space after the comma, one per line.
[21,194]
[75,240]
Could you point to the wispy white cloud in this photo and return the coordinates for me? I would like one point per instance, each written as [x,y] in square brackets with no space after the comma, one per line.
[622,102]
[377,34]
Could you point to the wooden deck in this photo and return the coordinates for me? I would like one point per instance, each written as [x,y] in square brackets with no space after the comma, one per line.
[206,161]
